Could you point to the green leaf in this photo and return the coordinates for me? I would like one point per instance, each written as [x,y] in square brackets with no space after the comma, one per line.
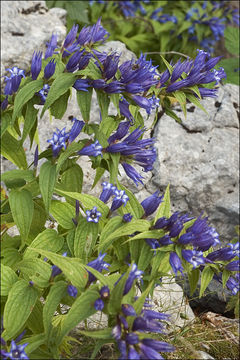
[57,291]
[98,334]
[88,201]
[82,308]
[85,238]
[126,229]
[195,101]
[133,207]
[231,37]
[72,268]
[48,239]
[230,66]
[138,304]
[10,177]
[22,208]
[34,342]
[151,234]
[8,278]
[21,300]
[99,173]
[29,119]
[171,113]
[193,277]
[145,256]
[206,277]
[110,227]
[181,97]
[59,86]
[24,95]
[37,270]
[116,294]
[225,276]
[47,179]
[169,67]
[164,208]
[91,71]
[84,99]
[63,213]
[163,265]
[59,107]
[6,121]
[72,179]
[11,257]
[71,149]
[103,101]
[113,166]
[108,125]
[35,322]
[77,11]
[13,151]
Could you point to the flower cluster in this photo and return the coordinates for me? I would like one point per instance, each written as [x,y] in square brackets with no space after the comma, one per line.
[98,264]
[104,295]
[119,196]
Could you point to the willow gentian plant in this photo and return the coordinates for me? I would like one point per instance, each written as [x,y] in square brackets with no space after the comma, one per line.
[105,252]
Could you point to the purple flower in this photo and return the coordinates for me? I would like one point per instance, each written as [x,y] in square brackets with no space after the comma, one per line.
[49,69]
[55,270]
[75,130]
[120,198]
[93,215]
[97,264]
[36,157]
[4,103]
[133,354]
[124,109]
[58,141]
[134,274]
[51,46]
[71,36]
[92,34]
[81,84]
[16,351]
[94,149]
[204,92]
[128,310]
[161,223]
[99,304]
[114,87]
[233,266]
[117,332]
[121,131]
[175,263]
[142,102]
[151,203]
[132,339]
[43,93]
[158,345]
[107,192]
[233,284]
[127,217]
[104,292]
[132,173]
[166,17]
[72,290]
[194,257]
[13,82]
[110,66]
[73,62]
[36,64]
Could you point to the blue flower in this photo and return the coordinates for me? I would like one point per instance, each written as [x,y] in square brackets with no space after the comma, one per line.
[72,290]
[132,173]
[128,310]
[104,292]
[36,64]
[75,130]
[51,46]
[71,36]
[124,109]
[132,338]
[166,17]
[110,66]
[13,82]
[55,269]
[94,149]
[233,266]
[121,131]
[49,69]
[151,203]
[99,304]
[16,351]
[194,257]
[43,93]
[81,84]
[107,192]
[58,141]
[175,263]
[119,199]
[4,103]
[93,215]
[92,34]
[233,284]
[127,217]
[36,157]
[134,274]
[98,264]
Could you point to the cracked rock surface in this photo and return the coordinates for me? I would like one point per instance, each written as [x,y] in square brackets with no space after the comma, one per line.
[200,159]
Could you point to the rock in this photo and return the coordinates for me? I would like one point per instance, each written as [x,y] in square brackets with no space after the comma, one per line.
[200,160]
[26,27]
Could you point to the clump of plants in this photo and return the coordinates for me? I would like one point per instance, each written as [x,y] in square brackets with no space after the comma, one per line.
[108,252]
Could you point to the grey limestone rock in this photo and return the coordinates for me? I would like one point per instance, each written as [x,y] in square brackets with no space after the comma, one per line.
[200,160]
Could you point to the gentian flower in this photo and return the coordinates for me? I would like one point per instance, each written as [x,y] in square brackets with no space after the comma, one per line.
[13,82]
[16,351]
[58,141]
[233,266]
[43,93]
[132,173]
[124,109]
[98,264]
[175,263]
[49,69]
[134,274]
[55,269]
[36,64]
[99,304]
[81,84]
[75,130]
[128,310]
[127,217]
[233,284]
[36,157]
[94,149]
[104,292]
[166,17]
[93,215]
[4,103]
[119,199]
[73,62]
[107,192]
[72,290]
[71,36]
[51,46]
[92,34]
[194,257]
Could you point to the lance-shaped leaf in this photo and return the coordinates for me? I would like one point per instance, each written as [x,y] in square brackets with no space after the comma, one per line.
[133,207]
[8,278]
[29,119]
[59,107]
[206,277]
[47,179]
[84,99]
[13,151]
[22,207]
[164,208]
[21,300]
[193,277]
[63,213]
[24,95]
[59,86]
[37,270]
[85,238]
[72,179]
[103,101]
